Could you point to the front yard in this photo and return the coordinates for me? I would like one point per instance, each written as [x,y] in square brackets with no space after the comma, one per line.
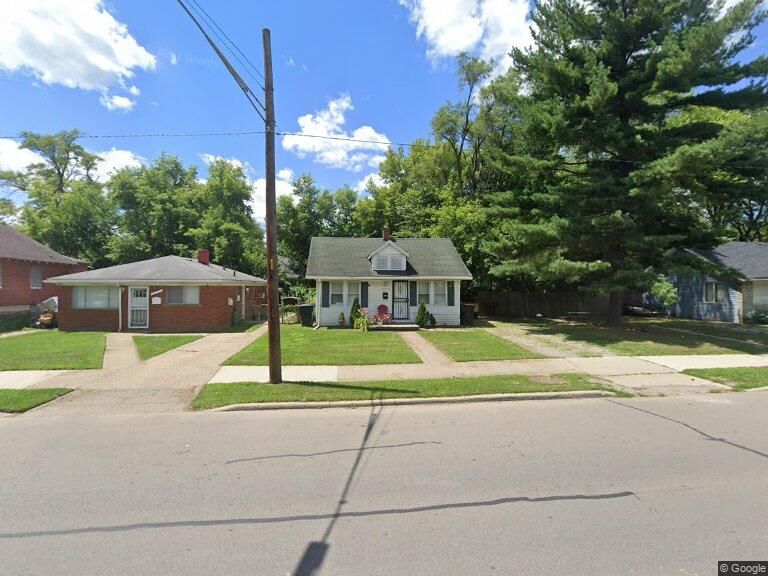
[737,378]
[215,395]
[302,346]
[52,350]
[26,399]
[466,345]
[150,346]
[648,337]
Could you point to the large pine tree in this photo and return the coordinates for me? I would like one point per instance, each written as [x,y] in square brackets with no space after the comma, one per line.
[600,90]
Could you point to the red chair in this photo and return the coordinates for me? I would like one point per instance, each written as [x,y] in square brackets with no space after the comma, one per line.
[382,310]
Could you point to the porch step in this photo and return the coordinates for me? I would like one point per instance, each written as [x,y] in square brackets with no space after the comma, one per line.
[395,327]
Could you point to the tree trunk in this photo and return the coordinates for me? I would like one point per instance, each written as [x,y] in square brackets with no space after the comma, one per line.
[615,307]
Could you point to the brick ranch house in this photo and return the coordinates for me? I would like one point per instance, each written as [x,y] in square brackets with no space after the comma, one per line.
[25,264]
[166,294]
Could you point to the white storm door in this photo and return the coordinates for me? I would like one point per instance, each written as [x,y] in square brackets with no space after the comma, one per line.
[138,307]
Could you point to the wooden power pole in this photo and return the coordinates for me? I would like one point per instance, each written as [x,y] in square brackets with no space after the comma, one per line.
[273,295]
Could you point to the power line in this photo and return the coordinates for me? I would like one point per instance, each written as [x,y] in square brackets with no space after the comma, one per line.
[251,97]
[228,44]
[231,42]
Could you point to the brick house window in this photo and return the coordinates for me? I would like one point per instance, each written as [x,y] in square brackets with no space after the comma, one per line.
[714,292]
[95,297]
[35,277]
[183,295]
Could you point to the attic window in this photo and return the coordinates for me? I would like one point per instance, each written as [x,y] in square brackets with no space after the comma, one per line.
[389,262]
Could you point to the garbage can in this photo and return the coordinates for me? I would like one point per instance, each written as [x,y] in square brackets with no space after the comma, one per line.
[467,313]
[305,314]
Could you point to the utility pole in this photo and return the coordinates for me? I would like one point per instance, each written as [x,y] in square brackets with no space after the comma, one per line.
[273,295]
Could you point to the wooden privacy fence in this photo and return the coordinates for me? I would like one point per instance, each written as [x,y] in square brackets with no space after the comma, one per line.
[549,304]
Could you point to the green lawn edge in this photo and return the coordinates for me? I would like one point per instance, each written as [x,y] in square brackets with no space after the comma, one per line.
[736,378]
[17,401]
[151,346]
[217,395]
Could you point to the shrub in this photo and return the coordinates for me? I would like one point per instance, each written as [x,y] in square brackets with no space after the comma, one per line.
[342,322]
[362,323]
[756,317]
[432,321]
[422,316]
[355,312]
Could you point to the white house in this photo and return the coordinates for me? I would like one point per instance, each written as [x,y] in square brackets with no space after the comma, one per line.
[398,273]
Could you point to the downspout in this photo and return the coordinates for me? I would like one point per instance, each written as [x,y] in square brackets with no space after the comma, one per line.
[119,308]
[242,303]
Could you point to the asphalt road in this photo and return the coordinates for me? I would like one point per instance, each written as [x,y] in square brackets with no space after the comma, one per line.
[638,486]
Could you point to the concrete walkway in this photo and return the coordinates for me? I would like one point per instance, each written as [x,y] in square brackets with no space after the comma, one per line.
[125,384]
[428,353]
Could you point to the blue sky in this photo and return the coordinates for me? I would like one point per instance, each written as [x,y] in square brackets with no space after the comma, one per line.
[376,69]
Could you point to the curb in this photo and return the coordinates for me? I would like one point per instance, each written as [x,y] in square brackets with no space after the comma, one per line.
[415,401]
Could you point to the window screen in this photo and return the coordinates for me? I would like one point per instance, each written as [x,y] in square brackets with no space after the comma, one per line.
[95,297]
[423,292]
[353,291]
[440,294]
[183,295]
[337,293]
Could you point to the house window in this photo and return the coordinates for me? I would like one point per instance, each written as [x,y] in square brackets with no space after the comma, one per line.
[440,294]
[95,297]
[396,262]
[35,277]
[182,295]
[337,292]
[714,292]
[353,291]
[380,262]
[423,292]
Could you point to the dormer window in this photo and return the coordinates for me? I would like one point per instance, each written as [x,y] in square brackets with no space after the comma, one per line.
[388,262]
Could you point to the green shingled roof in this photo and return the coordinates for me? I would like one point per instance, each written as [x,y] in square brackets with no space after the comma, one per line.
[348,258]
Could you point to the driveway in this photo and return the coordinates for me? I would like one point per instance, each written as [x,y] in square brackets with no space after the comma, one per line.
[165,383]
[647,486]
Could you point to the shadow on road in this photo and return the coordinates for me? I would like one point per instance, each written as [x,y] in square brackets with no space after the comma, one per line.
[705,434]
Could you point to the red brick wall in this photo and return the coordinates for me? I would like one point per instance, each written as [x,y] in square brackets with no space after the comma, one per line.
[212,314]
[15,277]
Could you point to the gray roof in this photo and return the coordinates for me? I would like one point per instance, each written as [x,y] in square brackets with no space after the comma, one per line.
[750,259]
[17,246]
[348,258]
[163,270]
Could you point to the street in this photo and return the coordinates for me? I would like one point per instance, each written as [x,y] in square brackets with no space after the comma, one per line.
[603,486]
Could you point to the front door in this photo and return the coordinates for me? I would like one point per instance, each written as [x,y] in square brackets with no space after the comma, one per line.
[400,307]
[138,307]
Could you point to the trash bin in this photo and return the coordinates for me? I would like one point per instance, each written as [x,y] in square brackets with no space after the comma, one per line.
[467,313]
[305,314]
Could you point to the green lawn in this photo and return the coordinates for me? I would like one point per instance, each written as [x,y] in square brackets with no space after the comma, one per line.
[647,339]
[13,323]
[23,400]
[302,346]
[752,335]
[467,345]
[52,350]
[149,346]
[214,395]
[738,378]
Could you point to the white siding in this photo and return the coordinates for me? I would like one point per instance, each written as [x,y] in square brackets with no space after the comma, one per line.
[445,315]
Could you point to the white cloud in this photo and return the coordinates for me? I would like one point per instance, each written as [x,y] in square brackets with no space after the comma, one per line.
[374,177]
[14,158]
[285,174]
[283,187]
[114,160]
[245,166]
[336,153]
[173,59]
[488,28]
[74,43]
[115,102]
